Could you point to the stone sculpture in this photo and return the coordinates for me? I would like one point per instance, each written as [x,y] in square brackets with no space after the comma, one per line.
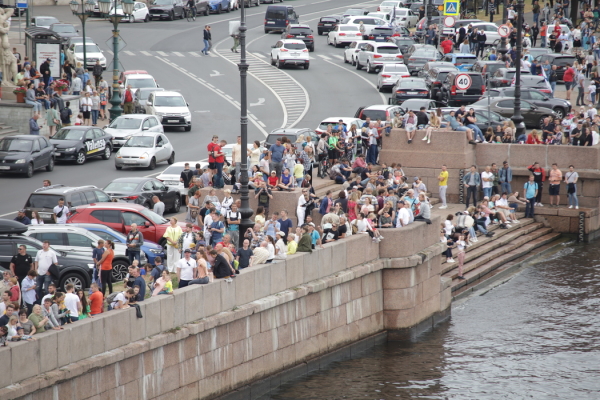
[8,62]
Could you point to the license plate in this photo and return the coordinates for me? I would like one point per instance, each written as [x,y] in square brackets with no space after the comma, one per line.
[461,91]
[301,37]
[411,92]
[172,121]
[58,154]
[327,25]
[270,22]
[4,167]
[129,161]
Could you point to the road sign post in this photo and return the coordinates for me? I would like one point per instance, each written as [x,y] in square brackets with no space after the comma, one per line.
[451,7]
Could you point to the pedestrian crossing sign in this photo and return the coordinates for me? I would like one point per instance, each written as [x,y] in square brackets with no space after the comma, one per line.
[451,7]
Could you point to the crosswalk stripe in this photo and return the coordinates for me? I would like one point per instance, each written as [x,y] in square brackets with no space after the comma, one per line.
[178,54]
[212,54]
[162,53]
[194,54]
[258,55]
[145,53]
[130,53]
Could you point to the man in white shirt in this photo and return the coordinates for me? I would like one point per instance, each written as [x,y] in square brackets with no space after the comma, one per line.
[403,215]
[159,206]
[236,157]
[60,212]
[72,303]
[487,180]
[186,269]
[43,260]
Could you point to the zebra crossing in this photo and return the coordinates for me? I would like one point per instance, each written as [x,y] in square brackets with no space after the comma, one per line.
[213,54]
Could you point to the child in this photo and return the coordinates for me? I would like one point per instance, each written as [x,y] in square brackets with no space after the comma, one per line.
[163,285]
[449,243]
[79,119]
[461,244]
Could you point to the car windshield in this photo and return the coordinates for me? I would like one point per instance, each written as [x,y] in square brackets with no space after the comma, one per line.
[90,48]
[441,76]
[154,217]
[272,138]
[46,21]
[374,115]
[163,2]
[425,53]
[405,84]
[533,81]
[275,14]
[465,60]
[121,187]
[395,68]
[354,12]
[389,4]
[14,144]
[64,29]
[348,28]
[69,134]
[383,31]
[300,31]
[141,83]
[388,50]
[327,19]
[405,42]
[169,101]
[140,141]
[295,46]
[37,200]
[126,123]
[173,170]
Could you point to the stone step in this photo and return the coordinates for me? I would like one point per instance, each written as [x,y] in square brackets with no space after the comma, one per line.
[8,131]
[474,285]
[529,243]
[502,236]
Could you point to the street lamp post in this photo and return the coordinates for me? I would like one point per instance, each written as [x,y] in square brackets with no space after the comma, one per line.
[245,211]
[502,48]
[105,8]
[86,11]
[517,118]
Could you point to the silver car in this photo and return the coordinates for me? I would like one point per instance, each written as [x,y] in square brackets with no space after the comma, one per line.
[125,126]
[81,242]
[374,55]
[145,150]
[389,75]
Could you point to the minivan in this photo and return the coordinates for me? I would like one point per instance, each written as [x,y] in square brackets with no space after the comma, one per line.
[277,18]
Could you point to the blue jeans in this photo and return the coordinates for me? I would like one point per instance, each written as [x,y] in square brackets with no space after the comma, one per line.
[529,208]
[487,192]
[95,116]
[134,255]
[478,133]
[37,107]
[505,187]
[42,282]
[219,176]
[206,46]
[553,87]
[372,154]
[573,201]
[76,93]
[543,42]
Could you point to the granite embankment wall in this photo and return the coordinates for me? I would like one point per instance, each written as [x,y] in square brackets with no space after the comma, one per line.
[206,340]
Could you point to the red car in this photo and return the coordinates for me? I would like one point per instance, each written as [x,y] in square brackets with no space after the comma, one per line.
[120,216]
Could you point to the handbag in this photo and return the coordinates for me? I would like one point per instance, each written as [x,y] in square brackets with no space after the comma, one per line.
[103,103]
[194,213]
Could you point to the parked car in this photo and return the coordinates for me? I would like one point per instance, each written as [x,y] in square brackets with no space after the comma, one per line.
[300,32]
[504,76]
[140,99]
[537,82]
[560,60]
[378,111]
[343,34]
[559,106]
[93,53]
[355,12]
[374,55]
[352,50]
[125,126]
[381,34]
[489,67]
[141,190]
[367,22]
[403,43]
[452,96]
[434,64]
[390,74]
[78,143]
[140,12]
[485,118]
[74,240]
[171,109]
[434,80]
[463,62]
[120,216]
[43,200]
[72,269]
[491,31]
[43,21]
[348,122]
[410,88]
[505,106]
[150,249]
[170,176]
[406,17]
[416,104]
[167,9]
[145,150]
[138,79]
[328,23]
[23,154]
[290,52]
[416,60]
[538,51]
[277,18]
[388,5]
[380,15]
[292,134]
[65,31]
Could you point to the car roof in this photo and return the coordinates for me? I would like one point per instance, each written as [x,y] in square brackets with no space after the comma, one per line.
[57,189]
[379,106]
[165,93]
[133,116]
[337,119]
[61,23]
[299,26]
[26,137]
[444,69]
[284,131]
[467,55]
[49,227]
[139,76]
[132,179]
[111,205]
[79,127]
[292,41]
[135,72]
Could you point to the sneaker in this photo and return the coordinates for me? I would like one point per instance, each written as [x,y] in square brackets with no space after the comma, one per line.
[381,237]
[431,206]
[577,207]
[228,280]
[515,221]
[425,138]
[429,142]
[540,204]
[570,206]
[461,277]
[450,260]
[443,207]
[508,225]
[409,141]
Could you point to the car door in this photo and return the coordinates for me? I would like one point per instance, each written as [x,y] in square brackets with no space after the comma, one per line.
[58,240]
[111,218]
[36,155]
[144,225]
[6,253]
[155,125]
[505,108]
[163,193]
[146,124]
[80,244]
[45,150]
[537,98]
[88,143]
[147,191]
[531,114]
[162,152]
[150,105]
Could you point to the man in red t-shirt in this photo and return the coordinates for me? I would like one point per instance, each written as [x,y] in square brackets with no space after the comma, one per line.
[219,161]
[447,45]
[96,300]
[211,154]
[568,78]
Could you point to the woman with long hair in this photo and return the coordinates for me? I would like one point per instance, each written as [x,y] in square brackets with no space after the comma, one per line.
[271,248]
[281,246]
[434,123]
[105,265]
[35,218]
[85,307]
[353,206]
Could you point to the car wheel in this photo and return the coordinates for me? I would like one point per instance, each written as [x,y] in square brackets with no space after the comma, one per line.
[345,59]
[219,11]
[182,15]
[335,43]
[176,205]
[120,268]
[74,279]
[312,48]
[279,64]
[379,88]
[369,69]
[353,62]
[228,8]
[80,160]
[266,32]
[29,172]
[306,65]
[172,16]
[358,66]
[273,61]
[187,128]
[171,159]
[147,18]
[50,165]
[118,167]
[163,243]
[320,33]
[107,153]
[152,164]
[131,19]
[560,112]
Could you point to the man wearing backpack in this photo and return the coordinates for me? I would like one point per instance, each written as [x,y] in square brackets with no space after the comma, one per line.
[127,102]
[65,114]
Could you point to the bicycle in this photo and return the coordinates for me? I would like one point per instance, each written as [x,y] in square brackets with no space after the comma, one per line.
[190,14]
[324,166]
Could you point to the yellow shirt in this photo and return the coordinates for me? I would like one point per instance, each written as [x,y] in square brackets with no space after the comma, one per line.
[173,233]
[298,171]
[168,287]
[260,219]
[291,247]
[444,176]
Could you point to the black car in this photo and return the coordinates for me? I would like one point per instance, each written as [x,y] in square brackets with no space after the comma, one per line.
[410,88]
[78,143]
[533,116]
[416,104]
[452,96]
[434,80]
[327,24]
[559,106]
[300,32]
[65,31]
[166,9]
[202,7]
[381,33]
[485,118]
[503,77]
[559,60]
[403,43]
[73,269]
[23,154]
[141,190]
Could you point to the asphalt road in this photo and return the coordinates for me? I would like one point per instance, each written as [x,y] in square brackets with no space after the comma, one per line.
[170,51]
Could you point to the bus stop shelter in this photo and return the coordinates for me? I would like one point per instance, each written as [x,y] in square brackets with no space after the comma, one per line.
[41,44]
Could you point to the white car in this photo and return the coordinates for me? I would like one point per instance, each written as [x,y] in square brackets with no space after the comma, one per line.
[389,75]
[348,121]
[44,21]
[490,30]
[343,34]
[139,81]
[388,5]
[380,15]
[368,22]
[125,126]
[140,12]
[145,150]
[406,18]
[170,176]
[170,108]
[375,55]
[352,50]
[290,52]
[93,53]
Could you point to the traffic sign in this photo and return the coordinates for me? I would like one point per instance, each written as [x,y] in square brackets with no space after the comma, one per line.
[463,81]
[452,7]
[503,31]
[449,21]
[22,4]
[448,31]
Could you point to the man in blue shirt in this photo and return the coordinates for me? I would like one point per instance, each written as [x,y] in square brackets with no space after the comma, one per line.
[285,224]
[22,218]
[276,153]
[531,190]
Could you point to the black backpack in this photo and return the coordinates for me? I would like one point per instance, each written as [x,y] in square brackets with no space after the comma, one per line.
[64,114]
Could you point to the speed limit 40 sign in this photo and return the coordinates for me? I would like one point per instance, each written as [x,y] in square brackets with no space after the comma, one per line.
[463,81]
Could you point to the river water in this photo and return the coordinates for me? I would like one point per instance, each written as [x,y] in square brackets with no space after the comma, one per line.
[536,336]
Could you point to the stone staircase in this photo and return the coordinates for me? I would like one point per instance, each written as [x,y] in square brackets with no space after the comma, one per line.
[490,256]
[6,130]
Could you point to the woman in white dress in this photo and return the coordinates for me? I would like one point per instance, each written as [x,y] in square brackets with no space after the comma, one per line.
[35,219]
[301,209]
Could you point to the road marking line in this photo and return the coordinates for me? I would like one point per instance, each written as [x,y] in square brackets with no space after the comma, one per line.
[194,54]
[162,53]
[212,54]
[261,124]
[130,53]
[338,56]
[324,57]
[258,55]
[178,54]
[145,53]
[361,77]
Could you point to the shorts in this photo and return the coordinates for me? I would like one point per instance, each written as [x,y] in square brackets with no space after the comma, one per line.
[568,85]
[554,190]
[332,154]
[212,165]
[86,114]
